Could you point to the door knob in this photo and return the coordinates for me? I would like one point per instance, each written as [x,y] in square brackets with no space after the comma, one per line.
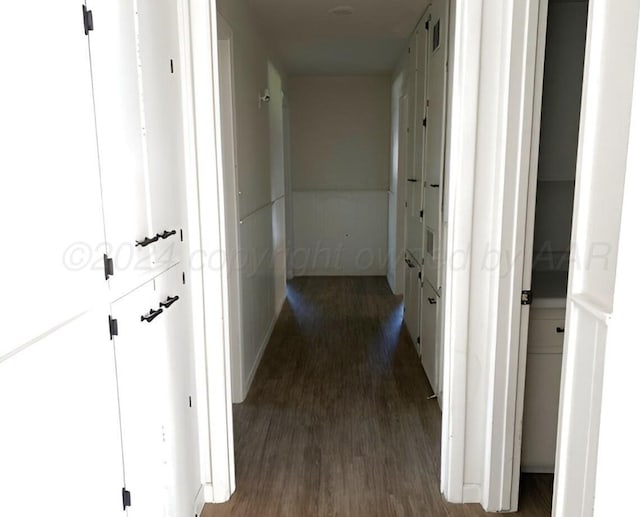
[432,301]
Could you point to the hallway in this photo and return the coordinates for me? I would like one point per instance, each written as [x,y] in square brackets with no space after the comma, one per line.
[338,420]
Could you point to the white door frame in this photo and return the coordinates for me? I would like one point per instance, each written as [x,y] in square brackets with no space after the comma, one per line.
[207,243]
[230,180]
[510,41]
[464,58]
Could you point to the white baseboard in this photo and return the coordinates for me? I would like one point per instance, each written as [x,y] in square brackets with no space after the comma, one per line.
[198,505]
[263,346]
[472,493]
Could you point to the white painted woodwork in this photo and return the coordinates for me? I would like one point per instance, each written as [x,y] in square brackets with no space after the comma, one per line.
[60,434]
[542,389]
[65,425]
[141,363]
[558,90]
[437,52]
[124,172]
[430,355]
[412,295]
[602,166]
[160,75]
[50,194]
[618,447]
[232,221]
[181,426]
[340,232]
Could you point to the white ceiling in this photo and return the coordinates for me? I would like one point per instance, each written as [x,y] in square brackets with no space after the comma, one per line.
[309,40]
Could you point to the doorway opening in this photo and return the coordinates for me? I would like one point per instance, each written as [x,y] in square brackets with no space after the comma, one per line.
[557,112]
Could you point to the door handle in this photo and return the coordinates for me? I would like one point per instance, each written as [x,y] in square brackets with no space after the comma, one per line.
[151,316]
[147,240]
[435,185]
[560,330]
[432,301]
[169,302]
[409,263]
[165,235]
[412,180]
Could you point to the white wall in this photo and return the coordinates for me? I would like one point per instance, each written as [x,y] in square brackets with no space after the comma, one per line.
[340,134]
[260,183]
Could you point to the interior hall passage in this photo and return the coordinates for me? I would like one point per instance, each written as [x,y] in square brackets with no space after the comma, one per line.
[338,419]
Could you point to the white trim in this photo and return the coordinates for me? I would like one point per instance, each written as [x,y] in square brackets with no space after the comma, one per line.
[230,178]
[205,207]
[198,506]
[507,364]
[263,347]
[463,131]
[471,493]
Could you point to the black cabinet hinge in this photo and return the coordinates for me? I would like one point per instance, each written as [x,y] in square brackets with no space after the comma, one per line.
[87,16]
[421,214]
[113,327]
[126,499]
[527,297]
[420,275]
[424,122]
[418,340]
[426,25]
[108,266]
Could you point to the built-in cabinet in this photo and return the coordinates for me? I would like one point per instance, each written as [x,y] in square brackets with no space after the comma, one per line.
[426,86]
[97,382]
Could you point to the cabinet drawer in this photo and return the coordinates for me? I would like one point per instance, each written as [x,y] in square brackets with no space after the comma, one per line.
[546,331]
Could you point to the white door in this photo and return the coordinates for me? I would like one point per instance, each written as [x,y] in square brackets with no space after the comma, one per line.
[161,66]
[412,299]
[428,335]
[181,430]
[141,360]
[59,438]
[47,129]
[119,122]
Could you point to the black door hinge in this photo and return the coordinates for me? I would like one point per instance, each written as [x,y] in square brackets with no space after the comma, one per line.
[418,340]
[527,297]
[108,267]
[426,25]
[113,327]
[421,214]
[424,122]
[420,275]
[87,16]
[126,498]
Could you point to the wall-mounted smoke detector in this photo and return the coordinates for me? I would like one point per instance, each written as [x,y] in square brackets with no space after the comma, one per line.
[341,10]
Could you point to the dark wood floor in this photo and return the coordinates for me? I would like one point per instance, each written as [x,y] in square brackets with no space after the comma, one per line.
[338,421]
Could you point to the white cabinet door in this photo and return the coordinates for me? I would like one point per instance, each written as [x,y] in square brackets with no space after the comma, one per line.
[428,335]
[436,126]
[60,449]
[412,298]
[119,124]
[50,199]
[160,79]
[181,431]
[143,392]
